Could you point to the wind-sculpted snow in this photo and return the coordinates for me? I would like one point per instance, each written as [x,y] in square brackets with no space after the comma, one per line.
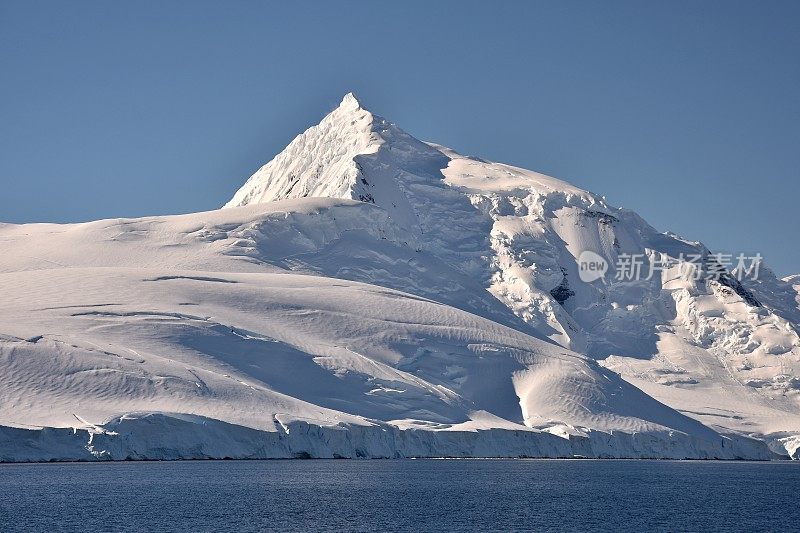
[369,295]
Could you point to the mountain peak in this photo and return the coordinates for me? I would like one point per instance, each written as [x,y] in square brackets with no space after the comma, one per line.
[350,102]
[319,161]
[327,160]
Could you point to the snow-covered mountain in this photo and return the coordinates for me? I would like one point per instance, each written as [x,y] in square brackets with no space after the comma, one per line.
[368,294]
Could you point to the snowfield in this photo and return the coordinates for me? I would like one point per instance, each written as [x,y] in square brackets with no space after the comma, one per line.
[366,294]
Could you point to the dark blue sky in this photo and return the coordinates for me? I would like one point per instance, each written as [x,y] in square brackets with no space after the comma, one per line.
[687,112]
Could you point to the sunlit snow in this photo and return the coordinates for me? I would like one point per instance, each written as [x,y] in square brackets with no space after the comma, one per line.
[366,294]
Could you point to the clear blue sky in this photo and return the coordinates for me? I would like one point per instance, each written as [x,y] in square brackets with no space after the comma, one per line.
[686,111]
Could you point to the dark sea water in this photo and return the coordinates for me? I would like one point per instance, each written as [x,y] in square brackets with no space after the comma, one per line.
[421,495]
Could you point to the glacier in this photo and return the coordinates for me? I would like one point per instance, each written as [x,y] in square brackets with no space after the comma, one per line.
[367,294]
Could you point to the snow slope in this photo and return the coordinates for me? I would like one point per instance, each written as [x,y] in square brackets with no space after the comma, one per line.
[366,294]
[124,330]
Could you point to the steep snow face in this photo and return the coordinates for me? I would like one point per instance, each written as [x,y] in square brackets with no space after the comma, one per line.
[541,228]
[519,234]
[318,162]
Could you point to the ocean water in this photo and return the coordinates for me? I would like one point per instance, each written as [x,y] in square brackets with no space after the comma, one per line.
[389,495]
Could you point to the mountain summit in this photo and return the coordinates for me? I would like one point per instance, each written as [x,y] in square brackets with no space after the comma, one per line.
[351,154]
[324,161]
[328,160]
